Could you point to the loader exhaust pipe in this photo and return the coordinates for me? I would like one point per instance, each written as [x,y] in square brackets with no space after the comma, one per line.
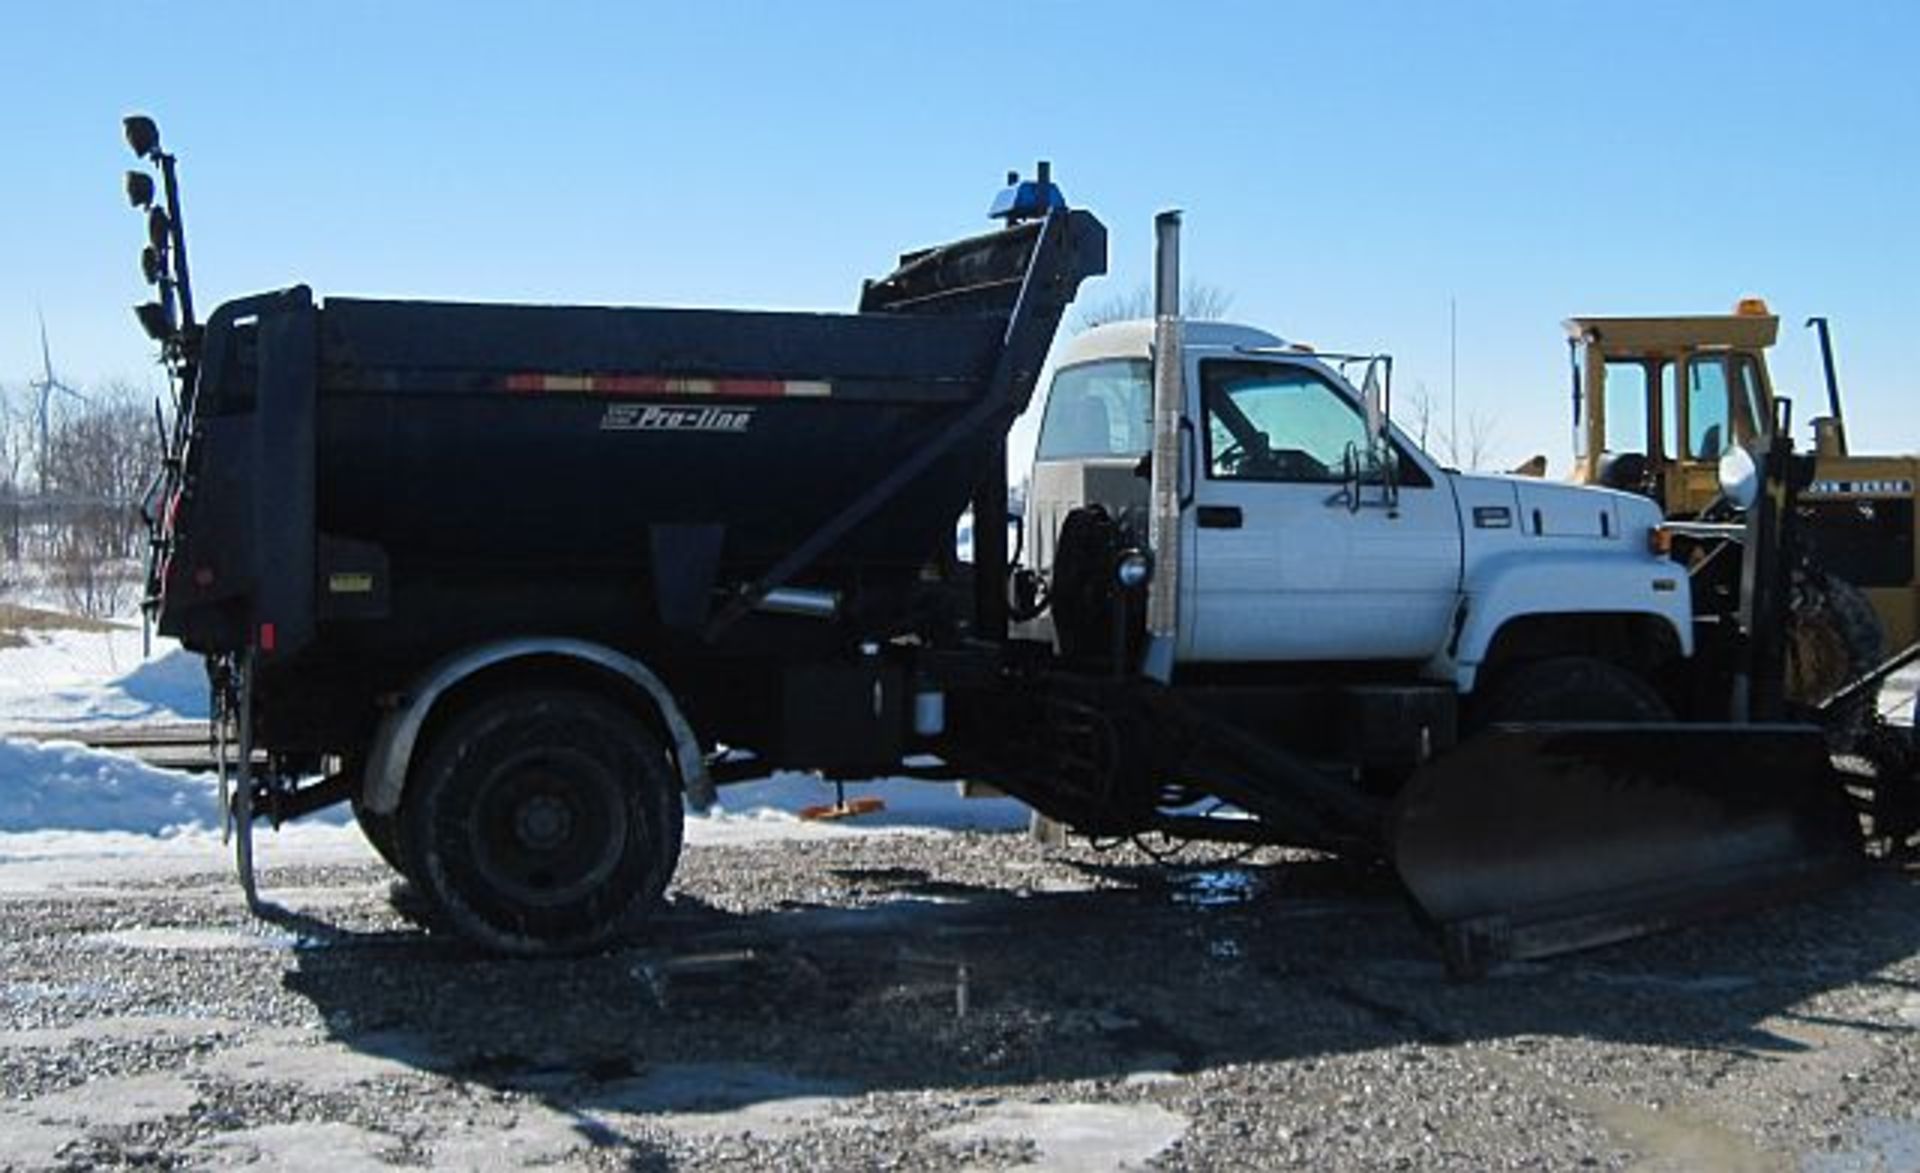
[1833,385]
[1163,521]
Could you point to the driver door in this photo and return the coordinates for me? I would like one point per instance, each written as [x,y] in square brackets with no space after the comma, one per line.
[1284,566]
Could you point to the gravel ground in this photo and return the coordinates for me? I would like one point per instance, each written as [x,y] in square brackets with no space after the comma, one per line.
[943,1002]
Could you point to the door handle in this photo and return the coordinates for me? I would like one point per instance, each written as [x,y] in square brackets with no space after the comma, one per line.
[1219,517]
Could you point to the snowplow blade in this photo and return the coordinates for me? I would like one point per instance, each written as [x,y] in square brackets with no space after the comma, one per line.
[1529,841]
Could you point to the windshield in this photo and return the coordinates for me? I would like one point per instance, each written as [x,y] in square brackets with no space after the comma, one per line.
[1098,409]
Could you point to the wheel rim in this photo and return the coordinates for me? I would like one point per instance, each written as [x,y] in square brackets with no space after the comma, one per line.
[550,826]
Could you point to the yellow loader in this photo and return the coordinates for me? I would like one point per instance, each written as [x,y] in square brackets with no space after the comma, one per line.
[1659,401]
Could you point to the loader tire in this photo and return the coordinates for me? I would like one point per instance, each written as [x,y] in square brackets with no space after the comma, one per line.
[543,822]
[1571,688]
[1893,756]
[1833,636]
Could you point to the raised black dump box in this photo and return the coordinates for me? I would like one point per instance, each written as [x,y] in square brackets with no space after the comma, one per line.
[374,483]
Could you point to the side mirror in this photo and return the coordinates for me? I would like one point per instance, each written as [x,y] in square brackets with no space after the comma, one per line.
[139,189]
[1375,398]
[1739,477]
[1382,461]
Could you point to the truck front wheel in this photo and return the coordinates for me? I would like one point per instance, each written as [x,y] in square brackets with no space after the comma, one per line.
[543,822]
[1571,688]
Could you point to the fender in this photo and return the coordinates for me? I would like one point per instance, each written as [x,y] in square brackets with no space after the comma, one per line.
[1527,582]
[391,754]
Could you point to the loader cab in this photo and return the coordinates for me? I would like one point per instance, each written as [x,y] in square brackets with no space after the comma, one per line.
[1658,401]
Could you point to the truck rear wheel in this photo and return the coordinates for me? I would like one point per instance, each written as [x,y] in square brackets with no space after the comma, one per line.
[382,832]
[543,822]
[1571,688]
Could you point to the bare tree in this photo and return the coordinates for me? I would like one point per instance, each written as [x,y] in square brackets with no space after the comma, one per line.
[105,450]
[1478,442]
[1207,303]
[1471,450]
[99,457]
[1419,415]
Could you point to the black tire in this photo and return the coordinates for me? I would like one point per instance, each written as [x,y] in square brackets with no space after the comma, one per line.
[1833,636]
[543,822]
[382,831]
[1570,688]
[1893,756]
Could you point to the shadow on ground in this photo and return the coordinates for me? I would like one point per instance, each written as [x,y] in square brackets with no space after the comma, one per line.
[931,985]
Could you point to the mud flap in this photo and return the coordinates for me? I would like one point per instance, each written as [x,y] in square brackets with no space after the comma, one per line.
[1529,841]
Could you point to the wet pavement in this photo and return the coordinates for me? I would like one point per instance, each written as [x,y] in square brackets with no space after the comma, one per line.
[944,1003]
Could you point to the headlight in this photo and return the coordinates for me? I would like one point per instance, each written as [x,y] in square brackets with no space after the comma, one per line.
[1133,569]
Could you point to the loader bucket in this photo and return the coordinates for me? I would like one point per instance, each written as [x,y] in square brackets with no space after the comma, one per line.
[1528,841]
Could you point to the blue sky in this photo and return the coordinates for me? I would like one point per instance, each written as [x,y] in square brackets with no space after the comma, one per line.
[1347,170]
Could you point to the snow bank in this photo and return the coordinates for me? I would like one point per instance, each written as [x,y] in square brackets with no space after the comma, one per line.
[80,680]
[63,786]
[68,787]
[84,678]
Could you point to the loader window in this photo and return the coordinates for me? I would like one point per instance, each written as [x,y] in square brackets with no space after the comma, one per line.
[1708,424]
[1750,416]
[1627,406]
[1098,409]
[1724,404]
[1278,422]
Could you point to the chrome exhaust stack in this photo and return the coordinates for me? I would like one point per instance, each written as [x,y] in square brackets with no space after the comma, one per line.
[1164,498]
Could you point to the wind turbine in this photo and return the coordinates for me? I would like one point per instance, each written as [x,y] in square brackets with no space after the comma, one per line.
[44,387]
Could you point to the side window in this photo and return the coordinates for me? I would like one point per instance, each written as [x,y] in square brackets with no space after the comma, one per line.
[1750,409]
[1708,433]
[1278,422]
[1098,409]
[1627,406]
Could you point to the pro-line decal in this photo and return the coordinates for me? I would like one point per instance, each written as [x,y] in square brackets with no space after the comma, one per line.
[669,417]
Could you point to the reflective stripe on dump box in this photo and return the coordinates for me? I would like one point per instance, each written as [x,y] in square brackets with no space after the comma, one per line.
[536,384]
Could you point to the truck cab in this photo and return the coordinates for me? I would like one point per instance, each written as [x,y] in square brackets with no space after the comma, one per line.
[1314,532]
